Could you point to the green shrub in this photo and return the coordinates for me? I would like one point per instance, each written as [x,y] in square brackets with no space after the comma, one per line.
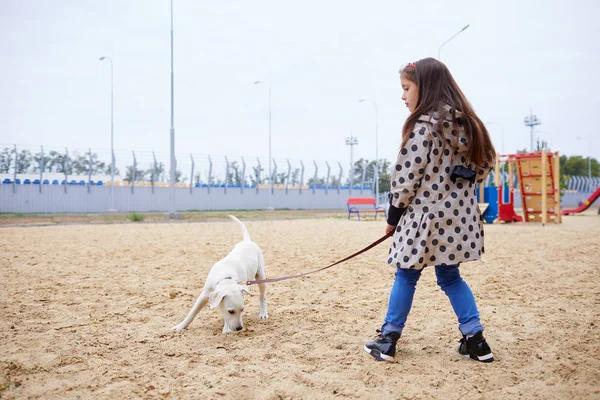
[135,217]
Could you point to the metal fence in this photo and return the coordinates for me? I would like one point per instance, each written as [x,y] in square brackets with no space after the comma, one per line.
[583,184]
[43,179]
[47,166]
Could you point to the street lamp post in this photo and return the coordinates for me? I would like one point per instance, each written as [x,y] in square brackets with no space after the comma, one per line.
[172,132]
[351,141]
[376,175]
[532,120]
[270,158]
[452,37]
[589,161]
[112,137]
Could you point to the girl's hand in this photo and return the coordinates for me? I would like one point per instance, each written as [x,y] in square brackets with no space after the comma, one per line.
[389,229]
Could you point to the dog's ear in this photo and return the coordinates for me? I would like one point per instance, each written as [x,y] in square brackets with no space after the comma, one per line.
[245,289]
[215,298]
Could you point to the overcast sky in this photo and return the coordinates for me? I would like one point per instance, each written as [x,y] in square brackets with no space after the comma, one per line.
[320,57]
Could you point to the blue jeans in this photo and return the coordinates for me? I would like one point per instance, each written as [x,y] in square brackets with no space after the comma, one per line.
[450,281]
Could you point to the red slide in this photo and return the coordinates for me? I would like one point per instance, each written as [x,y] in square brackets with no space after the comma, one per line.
[585,204]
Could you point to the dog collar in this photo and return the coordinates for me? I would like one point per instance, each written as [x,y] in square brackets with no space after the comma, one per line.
[221,280]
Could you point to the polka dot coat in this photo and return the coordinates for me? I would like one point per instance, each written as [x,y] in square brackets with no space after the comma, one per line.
[442,223]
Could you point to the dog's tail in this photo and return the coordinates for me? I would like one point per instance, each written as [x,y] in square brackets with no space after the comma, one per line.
[245,233]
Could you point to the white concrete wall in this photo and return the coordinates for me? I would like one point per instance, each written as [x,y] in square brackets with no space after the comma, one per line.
[95,199]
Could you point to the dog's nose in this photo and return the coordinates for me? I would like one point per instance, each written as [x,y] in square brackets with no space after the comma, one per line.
[239,328]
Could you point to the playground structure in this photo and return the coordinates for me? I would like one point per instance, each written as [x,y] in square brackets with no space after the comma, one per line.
[539,183]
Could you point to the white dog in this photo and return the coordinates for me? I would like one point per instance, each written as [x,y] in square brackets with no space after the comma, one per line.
[245,262]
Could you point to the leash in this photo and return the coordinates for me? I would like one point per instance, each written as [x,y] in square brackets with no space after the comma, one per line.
[283,278]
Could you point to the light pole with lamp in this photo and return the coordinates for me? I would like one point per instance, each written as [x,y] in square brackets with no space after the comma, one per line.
[376,174]
[172,131]
[270,159]
[532,120]
[453,36]
[351,141]
[112,137]
[589,161]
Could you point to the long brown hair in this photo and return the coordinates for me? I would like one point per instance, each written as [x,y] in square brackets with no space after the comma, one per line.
[438,88]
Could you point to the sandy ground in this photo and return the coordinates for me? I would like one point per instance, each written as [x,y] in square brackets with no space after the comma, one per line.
[87,311]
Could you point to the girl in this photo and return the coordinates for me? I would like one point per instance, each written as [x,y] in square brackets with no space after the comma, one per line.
[445,150]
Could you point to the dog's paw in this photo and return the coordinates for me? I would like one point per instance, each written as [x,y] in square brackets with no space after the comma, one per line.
[263,316]
[179,327]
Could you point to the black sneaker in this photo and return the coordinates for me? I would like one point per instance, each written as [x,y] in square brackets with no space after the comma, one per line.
[384,347]
[476,348]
